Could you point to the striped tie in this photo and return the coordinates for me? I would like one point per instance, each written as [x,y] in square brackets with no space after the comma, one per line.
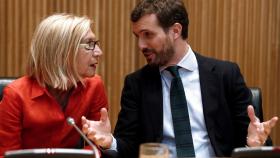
[180,116]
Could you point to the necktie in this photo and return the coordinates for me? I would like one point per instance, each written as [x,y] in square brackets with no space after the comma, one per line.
[180,116]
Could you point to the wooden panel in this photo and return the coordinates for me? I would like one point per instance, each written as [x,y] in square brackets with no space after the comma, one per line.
[243,31]
[246,32]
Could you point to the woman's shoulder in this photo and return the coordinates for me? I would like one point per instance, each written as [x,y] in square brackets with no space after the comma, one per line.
[20,87]
[22,82]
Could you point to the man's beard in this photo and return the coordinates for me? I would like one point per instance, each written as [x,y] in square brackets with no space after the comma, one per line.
[163,56]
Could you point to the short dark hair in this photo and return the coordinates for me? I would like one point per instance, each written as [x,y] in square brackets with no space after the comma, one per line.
[168,12]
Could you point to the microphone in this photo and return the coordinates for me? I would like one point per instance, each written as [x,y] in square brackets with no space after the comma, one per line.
[71,122]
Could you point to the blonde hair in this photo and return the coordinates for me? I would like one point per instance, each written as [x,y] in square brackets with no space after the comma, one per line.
[54,48]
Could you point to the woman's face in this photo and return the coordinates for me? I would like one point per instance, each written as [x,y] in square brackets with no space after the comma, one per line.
[88,55]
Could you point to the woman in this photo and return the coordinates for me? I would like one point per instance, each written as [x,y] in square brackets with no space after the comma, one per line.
[60,83]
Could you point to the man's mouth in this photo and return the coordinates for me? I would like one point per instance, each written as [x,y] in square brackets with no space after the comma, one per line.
[149,57]
[147,54]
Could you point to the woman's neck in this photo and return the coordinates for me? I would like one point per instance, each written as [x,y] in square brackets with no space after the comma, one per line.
[61,96]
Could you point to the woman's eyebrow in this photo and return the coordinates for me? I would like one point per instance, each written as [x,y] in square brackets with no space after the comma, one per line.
[90,39]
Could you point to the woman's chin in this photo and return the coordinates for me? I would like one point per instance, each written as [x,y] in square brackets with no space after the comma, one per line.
[92,74]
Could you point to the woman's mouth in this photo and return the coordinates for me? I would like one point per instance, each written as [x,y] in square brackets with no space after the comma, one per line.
[93,65]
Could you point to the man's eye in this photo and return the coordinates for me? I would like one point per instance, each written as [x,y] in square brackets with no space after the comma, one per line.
[147,34]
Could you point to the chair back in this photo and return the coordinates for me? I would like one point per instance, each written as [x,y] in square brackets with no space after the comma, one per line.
[3,82]
[257,101]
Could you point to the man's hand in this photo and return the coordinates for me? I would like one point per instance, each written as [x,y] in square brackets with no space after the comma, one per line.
[99,131]
[258,131]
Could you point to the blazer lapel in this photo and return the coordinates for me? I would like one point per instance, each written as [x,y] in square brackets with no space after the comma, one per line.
[210,88]
[153,101]
[209,84]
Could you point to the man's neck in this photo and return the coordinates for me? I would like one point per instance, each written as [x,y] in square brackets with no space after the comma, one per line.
[181,48]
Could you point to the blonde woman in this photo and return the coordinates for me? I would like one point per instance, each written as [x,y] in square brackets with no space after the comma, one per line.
[60,82]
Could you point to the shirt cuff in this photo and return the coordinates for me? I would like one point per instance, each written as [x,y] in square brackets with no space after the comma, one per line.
[113,145]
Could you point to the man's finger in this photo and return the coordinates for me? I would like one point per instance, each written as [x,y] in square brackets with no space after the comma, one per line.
[104,115]
[272,122]
[84,120]
[85,128]
[251,113]
[92,137]
[84,124]
[99,138]
[91,134]
[267,128]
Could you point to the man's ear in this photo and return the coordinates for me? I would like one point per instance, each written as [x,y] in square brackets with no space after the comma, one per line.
[177,30]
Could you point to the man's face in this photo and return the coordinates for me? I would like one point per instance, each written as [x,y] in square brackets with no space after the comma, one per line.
[154,43]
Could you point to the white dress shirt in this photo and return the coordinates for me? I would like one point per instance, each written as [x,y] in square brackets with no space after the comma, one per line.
[189,74]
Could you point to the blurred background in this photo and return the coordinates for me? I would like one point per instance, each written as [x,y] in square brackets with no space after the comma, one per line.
[243,31]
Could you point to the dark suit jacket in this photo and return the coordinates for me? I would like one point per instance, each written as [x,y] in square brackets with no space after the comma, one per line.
[225,97]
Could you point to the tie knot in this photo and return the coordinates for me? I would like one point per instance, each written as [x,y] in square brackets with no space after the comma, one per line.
[173,70]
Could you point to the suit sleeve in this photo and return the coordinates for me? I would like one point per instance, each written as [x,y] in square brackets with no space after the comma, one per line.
[243,98]
[239,98]
[127,127]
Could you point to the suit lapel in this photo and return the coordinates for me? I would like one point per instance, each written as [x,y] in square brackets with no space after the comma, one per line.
[209,84]
[153,101]
[210,89]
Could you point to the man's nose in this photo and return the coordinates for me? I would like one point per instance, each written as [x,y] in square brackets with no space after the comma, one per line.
[142,44]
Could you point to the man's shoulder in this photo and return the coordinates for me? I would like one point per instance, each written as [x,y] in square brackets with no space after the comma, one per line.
[210,62]
[205,58]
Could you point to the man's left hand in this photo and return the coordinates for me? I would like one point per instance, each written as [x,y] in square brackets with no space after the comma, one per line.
[258,131]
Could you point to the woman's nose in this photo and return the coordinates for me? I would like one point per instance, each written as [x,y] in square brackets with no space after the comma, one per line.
[97,51]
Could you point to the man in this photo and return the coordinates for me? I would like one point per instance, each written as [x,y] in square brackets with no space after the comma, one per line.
[216,94]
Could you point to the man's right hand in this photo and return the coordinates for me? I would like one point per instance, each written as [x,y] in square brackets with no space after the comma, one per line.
[99,131]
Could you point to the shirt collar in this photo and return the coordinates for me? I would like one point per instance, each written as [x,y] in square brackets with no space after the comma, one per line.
[37,90]
[189,61]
